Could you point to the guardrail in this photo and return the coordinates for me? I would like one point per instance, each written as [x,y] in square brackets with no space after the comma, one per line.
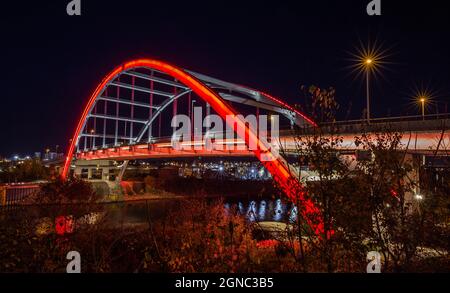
[434,122]
[430,122]
[11,195]
[427,117]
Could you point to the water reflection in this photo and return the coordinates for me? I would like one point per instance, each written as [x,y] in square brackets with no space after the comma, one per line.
[264,210]
[254,210]
[251,212]
[278,212]
[293,214]
[140,212]
[241,208]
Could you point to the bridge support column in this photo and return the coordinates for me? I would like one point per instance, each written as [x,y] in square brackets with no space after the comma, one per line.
[90,169]
[122,171]
[89,175]
[105,173]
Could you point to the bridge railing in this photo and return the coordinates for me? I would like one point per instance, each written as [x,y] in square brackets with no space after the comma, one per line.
[432,122]
[168,139]
[409,118]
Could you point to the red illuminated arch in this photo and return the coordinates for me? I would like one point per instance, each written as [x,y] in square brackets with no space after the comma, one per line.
[277,167]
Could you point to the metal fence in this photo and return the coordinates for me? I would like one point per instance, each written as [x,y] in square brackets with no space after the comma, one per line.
[11,195]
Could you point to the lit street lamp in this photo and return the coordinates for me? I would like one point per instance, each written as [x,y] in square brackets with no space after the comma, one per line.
[368,60]
[423,96]
[422,101]
[368,63]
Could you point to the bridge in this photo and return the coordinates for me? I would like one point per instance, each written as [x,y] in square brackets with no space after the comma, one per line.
[128,105]
[125,118]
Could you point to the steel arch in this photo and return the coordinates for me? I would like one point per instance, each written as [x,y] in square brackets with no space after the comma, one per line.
[276,165]
[158,112]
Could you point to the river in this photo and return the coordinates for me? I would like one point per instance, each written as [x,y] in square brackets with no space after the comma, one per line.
[254,209]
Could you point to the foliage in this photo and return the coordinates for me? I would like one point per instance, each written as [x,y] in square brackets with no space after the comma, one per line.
[208,239]
[320,104]
[24,171]
[61,191]
[368,203]
[196,237]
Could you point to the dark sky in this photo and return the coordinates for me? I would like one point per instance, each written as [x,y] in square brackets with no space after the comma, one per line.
[51,62]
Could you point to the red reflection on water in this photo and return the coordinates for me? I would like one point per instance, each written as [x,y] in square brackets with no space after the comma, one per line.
[64,225]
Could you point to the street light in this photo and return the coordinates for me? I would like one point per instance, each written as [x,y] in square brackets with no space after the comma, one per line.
[423,96]
[422,101]
[367,62]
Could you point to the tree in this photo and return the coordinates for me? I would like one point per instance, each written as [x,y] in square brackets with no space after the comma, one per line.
[24,171]
[364,203]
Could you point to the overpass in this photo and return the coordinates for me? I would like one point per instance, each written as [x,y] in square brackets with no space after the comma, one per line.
[429,137]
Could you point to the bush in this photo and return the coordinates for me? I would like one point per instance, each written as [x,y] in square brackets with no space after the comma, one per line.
[66,192]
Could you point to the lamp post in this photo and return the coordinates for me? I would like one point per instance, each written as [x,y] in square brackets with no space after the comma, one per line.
[422,102]
[368,63]
[368,60]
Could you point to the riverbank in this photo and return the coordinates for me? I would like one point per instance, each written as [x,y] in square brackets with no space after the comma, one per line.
[156,187]
[161,194]
[153,195]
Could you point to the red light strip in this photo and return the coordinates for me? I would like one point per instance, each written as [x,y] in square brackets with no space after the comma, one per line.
[276,166]
[309,120]
[283,104]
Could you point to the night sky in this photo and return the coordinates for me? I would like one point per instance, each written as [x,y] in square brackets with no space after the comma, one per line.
[51,62]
